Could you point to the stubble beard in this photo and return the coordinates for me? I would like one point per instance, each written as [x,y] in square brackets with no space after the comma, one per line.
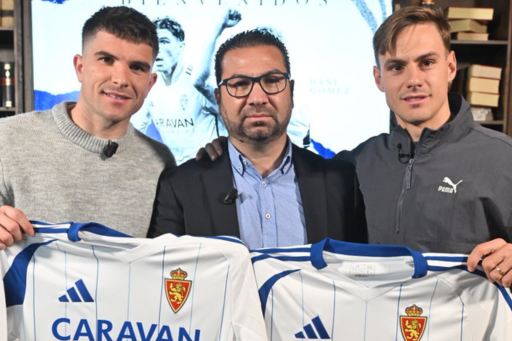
[258,131]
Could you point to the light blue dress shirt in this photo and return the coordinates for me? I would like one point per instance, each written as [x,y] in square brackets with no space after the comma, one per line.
[269,210]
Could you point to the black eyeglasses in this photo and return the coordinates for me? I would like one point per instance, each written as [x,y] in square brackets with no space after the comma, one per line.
[241,86]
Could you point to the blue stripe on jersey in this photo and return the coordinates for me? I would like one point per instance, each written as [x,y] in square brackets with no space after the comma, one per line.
[365,319]
[15,280]
[272,319]
[333,309]
[371,250]
[462,321]
[57,245]
[162,286]
[94,228]
[506,294]
[459,266]
[93,249]
[267,287]
[194,287]
[398,312]
[73,229]
[459,259]
[129,289]
[34,296]
[303,310]
[224,302]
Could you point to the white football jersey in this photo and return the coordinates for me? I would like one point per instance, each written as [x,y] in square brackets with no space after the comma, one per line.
[343,291]
[88,282]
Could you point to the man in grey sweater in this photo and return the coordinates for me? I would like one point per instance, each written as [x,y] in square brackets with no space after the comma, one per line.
[84,161]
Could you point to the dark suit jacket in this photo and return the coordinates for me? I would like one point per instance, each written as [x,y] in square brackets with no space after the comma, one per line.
[190,199]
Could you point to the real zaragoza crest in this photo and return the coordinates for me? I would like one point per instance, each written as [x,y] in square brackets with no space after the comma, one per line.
[413,324]
[177,289]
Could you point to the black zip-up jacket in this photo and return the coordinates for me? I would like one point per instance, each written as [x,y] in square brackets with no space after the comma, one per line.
[448,194]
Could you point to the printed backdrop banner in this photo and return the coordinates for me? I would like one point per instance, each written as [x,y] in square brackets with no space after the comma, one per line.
[337,104]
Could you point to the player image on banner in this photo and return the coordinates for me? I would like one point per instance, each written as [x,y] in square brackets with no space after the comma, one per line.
[336,102]
[181,105]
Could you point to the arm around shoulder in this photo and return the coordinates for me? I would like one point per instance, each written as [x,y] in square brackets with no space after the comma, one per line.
[345,155]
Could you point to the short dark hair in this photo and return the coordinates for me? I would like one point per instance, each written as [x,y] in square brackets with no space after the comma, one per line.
[252,38]
[172,25]
[385,38]
[124,23]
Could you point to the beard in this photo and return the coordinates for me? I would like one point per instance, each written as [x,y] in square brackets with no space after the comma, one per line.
[258,131]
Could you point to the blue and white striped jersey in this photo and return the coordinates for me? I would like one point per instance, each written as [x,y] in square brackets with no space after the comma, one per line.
[342,291]
[88,282]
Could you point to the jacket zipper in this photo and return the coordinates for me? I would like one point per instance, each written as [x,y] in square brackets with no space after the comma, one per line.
[405,187]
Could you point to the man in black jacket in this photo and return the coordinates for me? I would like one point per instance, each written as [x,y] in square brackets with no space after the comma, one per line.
[265,190]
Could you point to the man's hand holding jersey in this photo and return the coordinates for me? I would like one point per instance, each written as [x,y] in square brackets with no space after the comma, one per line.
[13,225]
[496,259]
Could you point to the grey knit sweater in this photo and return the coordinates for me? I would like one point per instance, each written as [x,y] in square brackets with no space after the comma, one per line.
[55,172]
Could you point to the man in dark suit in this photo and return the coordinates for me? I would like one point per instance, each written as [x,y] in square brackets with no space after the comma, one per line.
[264,189]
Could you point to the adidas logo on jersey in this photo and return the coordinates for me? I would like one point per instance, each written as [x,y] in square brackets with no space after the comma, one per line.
[320,333]
[72,293]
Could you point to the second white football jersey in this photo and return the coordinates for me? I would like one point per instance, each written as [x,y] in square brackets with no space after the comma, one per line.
[342,291]
[88,282]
